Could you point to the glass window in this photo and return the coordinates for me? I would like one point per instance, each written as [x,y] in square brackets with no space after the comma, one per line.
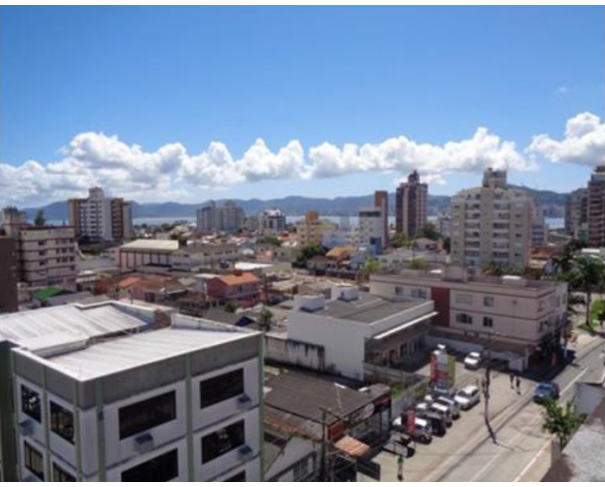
[30,403]
[488,322]
[147,414]
[464,298]
[238,477]
[489,301]
[159,469]
[419,293]
[34,461]
[399,291]
[223,441]
[61,475]
[464,318]
[62,422]
[221,388]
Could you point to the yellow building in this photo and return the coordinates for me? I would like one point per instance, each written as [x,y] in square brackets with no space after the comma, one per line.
[310,230]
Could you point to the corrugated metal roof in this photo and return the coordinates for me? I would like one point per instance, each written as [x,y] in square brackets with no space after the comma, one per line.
[89,321]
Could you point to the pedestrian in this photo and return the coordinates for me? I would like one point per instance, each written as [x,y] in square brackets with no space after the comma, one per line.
[512,380]
[400,468]
[518,385]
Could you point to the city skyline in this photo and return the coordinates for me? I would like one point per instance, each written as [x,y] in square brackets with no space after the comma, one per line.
[168,116]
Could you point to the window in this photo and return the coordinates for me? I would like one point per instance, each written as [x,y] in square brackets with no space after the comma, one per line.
[489,301]
[33,461]
[238,477]
[61,475]
[62,422]
[30,403]
[464,298]
[301,470]
[223,441]
[221,388]
[464,319]
[488,322]
[158,469]
[147,414]
[419,293]
[399,291]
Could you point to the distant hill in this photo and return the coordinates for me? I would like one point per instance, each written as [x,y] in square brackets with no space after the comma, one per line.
[553,203]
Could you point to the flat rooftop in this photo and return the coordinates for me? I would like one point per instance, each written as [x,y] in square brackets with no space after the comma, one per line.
[366,309]
[150,245]
[127,352]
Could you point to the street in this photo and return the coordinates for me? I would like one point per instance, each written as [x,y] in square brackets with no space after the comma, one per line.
[519,451]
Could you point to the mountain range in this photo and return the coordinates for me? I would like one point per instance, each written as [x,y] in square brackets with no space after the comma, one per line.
[552,203]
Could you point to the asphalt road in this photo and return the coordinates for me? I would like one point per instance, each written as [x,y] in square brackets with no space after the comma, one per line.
[468,452]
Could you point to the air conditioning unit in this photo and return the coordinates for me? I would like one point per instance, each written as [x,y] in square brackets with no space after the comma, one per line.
[143,443]
[244,401]
[244,452]
[26,428]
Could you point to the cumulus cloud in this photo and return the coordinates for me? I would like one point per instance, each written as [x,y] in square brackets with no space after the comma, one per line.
[583,142]
[171,172]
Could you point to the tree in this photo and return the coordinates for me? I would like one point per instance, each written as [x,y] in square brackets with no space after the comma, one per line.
[269,240]
[230,306]
[265,319]
[307,253]
[40,219]
[420,264]
[401,241]
[429,230]
[561,421]
[370,266]
[587,274]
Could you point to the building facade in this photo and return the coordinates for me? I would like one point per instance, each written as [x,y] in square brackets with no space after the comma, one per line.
[272,222]
[199,255]
[372,231]
[381,200]
[228,218]
[179,400]
[576,214]
[310,230]
[411,206]
[143,252]
[491,224]
[100,218]
[243,288]
[596,208]
[9,300]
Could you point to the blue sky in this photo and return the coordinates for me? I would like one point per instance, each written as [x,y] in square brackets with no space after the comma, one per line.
[195,75]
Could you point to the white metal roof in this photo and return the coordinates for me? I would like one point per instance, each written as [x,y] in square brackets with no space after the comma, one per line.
[146,244]
[123,353]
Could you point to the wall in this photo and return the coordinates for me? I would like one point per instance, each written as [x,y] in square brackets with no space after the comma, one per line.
[294,352]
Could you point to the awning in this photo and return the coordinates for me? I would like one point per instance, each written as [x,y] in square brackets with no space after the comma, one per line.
[352,447]
[404,326]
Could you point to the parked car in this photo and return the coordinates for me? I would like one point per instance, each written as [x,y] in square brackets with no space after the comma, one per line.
[473,361]
[468,397]
[445,401]
[545,391]
[424,432]
[444,411]
[422,409]
[437,423]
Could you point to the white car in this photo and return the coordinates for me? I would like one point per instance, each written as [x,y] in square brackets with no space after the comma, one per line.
[473,361]
[468,397]
[424,431]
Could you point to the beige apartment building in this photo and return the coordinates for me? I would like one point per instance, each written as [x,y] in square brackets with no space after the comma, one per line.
[492,224]
[505,313]
[46,256]
[596,208]
[310,230]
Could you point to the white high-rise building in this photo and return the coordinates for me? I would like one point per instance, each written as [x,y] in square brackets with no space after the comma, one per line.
[101,218]
[372,229]
[272,222]
[491,224]
[116,392]
[212,218]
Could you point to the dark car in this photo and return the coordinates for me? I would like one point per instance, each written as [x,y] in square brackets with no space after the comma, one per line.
[545,391]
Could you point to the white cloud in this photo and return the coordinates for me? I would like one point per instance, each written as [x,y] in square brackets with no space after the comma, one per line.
[583,143]
[170,172]
[562,91]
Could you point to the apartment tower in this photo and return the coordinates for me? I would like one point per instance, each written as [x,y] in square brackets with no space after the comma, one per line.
[411,206]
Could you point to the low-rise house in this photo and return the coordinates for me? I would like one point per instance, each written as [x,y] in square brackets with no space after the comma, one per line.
[243,288]
[337,257]
[140,253]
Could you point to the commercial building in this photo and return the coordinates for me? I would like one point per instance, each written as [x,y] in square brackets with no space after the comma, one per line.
[411,206]
[9,300]
[243,288]
[45,254]
[310,230]
[372,229]
[100,218]
[228,218]
[596,208]
[507,313]
[356,329]
[143,252]
[115,392]
[201,255]
[576,214]
[491,224]
[272,222]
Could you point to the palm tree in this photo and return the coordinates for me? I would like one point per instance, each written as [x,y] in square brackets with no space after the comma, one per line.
[561,421]
[587,274]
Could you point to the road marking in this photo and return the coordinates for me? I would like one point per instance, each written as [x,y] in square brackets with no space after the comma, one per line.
[534,460]
[573,381]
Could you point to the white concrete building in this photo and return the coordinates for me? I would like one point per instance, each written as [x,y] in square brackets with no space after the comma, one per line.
[356,329]
[115,392]
[272,222]
[372,229]
[199,255]
[228,218]
[144,252]
[100,218]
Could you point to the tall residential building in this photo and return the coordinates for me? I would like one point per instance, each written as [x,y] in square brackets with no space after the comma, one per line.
[371,229]
[45,255]
[596,208]
[9,301]
[212,218]
[100,218]
[381,200]
[576,214]
[539,228]
[310,230]
[272,222]
[491,224]
[411,206]
[115,392]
